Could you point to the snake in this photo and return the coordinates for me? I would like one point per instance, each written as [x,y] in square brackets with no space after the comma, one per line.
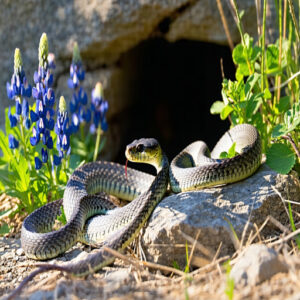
[93,219]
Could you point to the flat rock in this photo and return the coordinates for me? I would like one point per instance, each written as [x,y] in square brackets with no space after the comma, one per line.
[256,264]
[212,212]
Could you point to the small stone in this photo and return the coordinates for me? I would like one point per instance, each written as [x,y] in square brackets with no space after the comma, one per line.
[2,249]
[46,295]
[20,252]
[61,291]
[256,264]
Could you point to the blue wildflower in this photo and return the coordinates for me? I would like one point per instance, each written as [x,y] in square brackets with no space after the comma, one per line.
[63,131]
[12,142]
[12,119]
[44,153]
[35,139]
[80,112]
[17,90]
[45,100]
[38,163]
[99,108]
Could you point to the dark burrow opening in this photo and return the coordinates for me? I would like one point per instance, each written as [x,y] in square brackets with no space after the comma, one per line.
[173,86]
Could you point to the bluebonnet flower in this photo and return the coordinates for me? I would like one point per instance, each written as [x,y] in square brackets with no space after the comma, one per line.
[63,131]
[38,163]
[12,142]
[80,112]
[99,108]
[45,100]
[19,91]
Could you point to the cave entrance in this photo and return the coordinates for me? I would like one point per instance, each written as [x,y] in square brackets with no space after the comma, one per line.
[172,87]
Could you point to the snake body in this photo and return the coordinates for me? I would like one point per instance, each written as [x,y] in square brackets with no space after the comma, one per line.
[117,227]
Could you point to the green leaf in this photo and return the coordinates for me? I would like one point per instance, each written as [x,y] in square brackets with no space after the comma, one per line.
[272,56]
[225,112]
[3,212]
[283,105]
[250,83]
[248,41]
[231,152]
[4,229]
[253,105]
[7,154]
[279,130]
[241,13]
[238,55]
[280,158]
[217,107]
[242,71]
[255,53]
[267,94]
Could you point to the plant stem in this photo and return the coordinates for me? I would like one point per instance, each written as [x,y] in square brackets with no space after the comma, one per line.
[240,28]
[97,142]
[292,142]
[225,25]
[278,79]
[292,11]
[263,46]
[50,173]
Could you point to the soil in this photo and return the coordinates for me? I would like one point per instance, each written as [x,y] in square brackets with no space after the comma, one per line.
[128,279]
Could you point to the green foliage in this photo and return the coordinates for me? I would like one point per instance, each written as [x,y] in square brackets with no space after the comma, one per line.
[20,179]
[266,94]
[280,157]
[229,290]
[293,226]
[231,152]
[187,267]
[20,176]
[4,229]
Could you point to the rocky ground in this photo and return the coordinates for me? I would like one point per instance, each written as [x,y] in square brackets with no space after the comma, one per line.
[262,264]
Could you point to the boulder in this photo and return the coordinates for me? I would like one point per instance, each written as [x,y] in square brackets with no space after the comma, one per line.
[215,213]
[104,30]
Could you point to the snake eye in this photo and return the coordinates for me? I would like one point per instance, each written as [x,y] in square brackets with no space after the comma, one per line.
[140,148]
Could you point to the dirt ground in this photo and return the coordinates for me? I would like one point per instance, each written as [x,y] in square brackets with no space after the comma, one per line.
[131,278]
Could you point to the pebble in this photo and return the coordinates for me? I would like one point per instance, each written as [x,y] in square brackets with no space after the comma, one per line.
[20,252]
[257,264]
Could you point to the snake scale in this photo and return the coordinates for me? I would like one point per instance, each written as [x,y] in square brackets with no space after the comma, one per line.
[93,219]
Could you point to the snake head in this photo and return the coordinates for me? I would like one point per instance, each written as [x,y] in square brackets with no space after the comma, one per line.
[144,151]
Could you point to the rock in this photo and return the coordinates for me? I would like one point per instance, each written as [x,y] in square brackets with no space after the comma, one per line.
[20,252]
[104,30]
[201,22]
[211,212]
[257,263]
[45,295]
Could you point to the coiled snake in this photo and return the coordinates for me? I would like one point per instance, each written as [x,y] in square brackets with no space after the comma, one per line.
[117,227]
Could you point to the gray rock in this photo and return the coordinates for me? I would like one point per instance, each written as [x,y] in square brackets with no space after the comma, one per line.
[38,295]
[20,252]
[256,264]
[210,211]
[201,21]
[104,30]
